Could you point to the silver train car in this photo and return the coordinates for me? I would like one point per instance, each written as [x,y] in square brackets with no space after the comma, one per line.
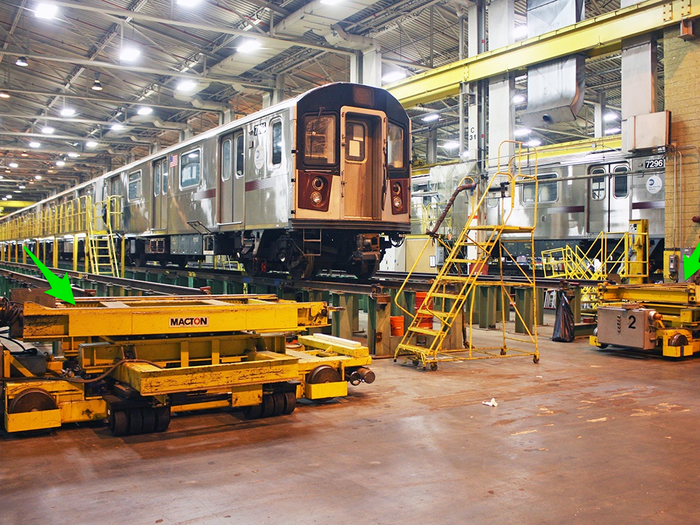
[320,181]
[576,200]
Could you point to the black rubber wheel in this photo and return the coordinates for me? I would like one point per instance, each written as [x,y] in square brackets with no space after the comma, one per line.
[162,418]
[135,421]
[536,359]
[253,412]
[503,351]
[433,366]
[149,420]
[290,403]
[120,424]
[279,403]
[268,405]
[416,363]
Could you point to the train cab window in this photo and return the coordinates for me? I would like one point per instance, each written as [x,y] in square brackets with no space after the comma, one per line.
[276,143]
[621,182]
[190,164]
[395,147]
[547,191]
[226,159]
[134,186]
[240,159]
[355,133]
[319,140]
[157,178]
[598,185]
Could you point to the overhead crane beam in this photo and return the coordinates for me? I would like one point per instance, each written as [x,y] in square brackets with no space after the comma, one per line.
[595,36]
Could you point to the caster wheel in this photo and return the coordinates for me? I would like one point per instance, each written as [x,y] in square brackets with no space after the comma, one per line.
[290,403]
[149,420]
[119,423]
[162,418]
[536,359]
[433,366]
[279,400]
[416,363]
[253,412]
[503,351]
[268,405]
[135,421]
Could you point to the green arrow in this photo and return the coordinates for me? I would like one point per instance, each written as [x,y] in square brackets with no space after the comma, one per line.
[691,264]
[60,288]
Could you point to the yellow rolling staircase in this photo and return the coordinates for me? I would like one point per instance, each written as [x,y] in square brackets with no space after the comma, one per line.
[101,234]
[468,258]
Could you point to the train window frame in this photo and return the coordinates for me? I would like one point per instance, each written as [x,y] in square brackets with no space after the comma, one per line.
[135,181]
[276,143]
[391,155]
[226,160]
[239,154]
[617,175]
[157,178]
[596,178]
[330,140]
[165,173]
[554,183]
[361,154]
[194,181]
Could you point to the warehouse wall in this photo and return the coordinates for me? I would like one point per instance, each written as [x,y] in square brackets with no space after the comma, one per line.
[682,83]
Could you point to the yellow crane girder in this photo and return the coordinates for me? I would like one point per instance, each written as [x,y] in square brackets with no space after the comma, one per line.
[595,36]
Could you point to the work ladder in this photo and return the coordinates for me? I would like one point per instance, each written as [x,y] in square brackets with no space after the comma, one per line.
[101,246]
[468,258]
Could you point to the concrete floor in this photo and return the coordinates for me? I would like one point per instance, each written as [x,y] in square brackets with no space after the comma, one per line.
[585,437]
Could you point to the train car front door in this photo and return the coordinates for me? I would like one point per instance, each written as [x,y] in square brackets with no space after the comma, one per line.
[363,164]
[232,179]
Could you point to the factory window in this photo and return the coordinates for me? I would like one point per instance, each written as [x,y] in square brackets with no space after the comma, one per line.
[319,140]
[226,159]
[239,156]
[134,186]
[277,143]
[355,133]
[621,185]
[157,168]
[547,191]
[395,147]
[190,163]
[598,186]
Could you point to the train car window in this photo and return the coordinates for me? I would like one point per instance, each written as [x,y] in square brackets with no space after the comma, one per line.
[319,140]
[548,191]
[395,147]
[226,159]
[598,185]
[240,158]
[157,178]
[165,175]
[276,143]
[134,186]
[621,185]
[190,164]
[355,133]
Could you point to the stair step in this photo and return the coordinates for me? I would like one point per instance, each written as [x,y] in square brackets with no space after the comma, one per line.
[502,228]
[441,295]
[414,349]
[424,331]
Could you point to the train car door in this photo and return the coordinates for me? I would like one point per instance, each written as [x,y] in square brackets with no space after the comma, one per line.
[159,215]
[362,163]
[598,196]
[619,210]
[232,194]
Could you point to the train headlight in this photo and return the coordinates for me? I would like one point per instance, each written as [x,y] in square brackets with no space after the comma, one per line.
[397,202]
[316,198]
[396,188]
[318,183]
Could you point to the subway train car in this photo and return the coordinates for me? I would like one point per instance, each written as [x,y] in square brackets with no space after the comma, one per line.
[320,181]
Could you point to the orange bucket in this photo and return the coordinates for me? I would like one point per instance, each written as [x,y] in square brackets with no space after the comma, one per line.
[424,321]
[397,325]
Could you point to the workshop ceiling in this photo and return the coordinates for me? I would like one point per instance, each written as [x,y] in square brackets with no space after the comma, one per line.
[200,44]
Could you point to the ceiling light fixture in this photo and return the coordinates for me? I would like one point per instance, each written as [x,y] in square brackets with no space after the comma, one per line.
[452,144]
[533,143]
[96,85]
[518,98]
[21,186]
[129,54]
[145,110]
[67,112]
[610,116]
[46,10]
[330,2]
[37,177]
[8,196]
[188,3]
[431,118]
[74,155]
[248,45]
[117,126]
[91,144]
[4,94]
[186,85]
[394,76]
[47,130]
[22,62]
[60,163]
[13,165]
[522,132]
[34,144]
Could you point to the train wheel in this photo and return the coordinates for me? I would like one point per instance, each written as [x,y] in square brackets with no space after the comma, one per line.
[366,269]
[254,268]
[304,269]
[31,400]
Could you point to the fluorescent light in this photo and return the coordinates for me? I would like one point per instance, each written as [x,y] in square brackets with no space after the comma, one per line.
[394,76]
[518,98]
[612,131]
[610,116]
[21,186]
[46,10]
[533,143]
[186,85]
[145,110]
[37,177]
[248,45]
[67,112]
[74,155]
[520,32]
[452,144]
[90,144]
[129,54]
[13,165]
[22,62]
[522,132]
[188,3]
[59,163]
[431,118]
[4,94]
[8,196]
[117,126]
[34,144]
[47,130]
